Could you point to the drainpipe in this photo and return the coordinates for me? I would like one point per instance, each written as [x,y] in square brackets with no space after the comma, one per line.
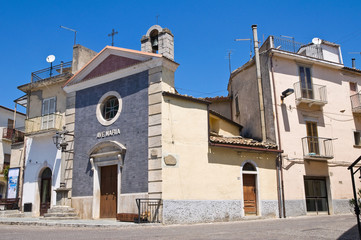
[259,82]
[279,161]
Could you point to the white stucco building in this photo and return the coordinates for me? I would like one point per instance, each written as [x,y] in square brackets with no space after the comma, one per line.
[311,111]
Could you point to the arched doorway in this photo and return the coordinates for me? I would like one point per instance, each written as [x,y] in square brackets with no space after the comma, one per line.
[249,175]
[45,191]
[106,159]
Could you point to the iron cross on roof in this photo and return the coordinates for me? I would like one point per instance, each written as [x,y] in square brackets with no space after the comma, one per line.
[112,35]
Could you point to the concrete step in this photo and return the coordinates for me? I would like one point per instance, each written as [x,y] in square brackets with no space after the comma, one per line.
[11,214]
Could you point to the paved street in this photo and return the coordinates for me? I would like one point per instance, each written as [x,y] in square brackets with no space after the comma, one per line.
[318,227]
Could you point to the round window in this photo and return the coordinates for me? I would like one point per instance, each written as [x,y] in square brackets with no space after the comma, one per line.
[109,108]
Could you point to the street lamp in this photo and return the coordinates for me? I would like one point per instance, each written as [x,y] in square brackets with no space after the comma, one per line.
[59,139]
[286,93]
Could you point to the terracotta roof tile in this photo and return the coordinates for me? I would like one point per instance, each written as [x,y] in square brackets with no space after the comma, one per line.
[242,142]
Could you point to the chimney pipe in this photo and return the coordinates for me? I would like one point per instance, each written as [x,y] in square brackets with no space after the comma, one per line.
[259,81]
[353,63]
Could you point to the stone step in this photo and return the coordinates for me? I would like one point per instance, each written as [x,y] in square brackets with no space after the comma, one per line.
[60,218]
[60,215]
[61,209]
[11,214]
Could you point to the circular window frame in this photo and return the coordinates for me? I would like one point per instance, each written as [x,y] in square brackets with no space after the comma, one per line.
[100,105]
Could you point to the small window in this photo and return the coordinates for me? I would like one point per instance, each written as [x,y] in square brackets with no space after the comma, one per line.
[110,108]
[10,123]
[237,105]
[248,167]
[6,160]
[353,88]
[357,136]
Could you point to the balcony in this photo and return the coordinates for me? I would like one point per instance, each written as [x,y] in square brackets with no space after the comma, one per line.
[13,135]
[43,123]
[314,95]
[54,71]
[317,148]
[356,103]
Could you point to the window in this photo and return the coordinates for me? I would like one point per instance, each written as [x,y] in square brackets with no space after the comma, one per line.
[6,160]
[353,88]
[109,108]
[357,136]
[248,167]
[312,137]
[10,123]
[306,82]
[237,105]
[48,110]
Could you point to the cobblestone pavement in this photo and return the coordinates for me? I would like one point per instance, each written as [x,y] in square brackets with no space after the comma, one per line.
[310,227]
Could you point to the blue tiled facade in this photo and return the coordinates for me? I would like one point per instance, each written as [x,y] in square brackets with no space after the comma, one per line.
[133,125]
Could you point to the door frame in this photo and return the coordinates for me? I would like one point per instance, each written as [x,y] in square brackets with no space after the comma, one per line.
[258,202]
[98,159]
[49,187]
[328,194]
[100,183]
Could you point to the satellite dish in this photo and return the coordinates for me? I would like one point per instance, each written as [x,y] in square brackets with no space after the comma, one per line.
[50,58]
[316,41]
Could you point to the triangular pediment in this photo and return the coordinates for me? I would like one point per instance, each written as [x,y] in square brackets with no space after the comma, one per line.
[111,64]
[109,61]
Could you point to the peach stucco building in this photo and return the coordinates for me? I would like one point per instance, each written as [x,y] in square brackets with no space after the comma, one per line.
[311,111]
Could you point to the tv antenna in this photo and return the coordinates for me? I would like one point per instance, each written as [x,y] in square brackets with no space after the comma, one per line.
[354,53]
[50,59]
[229,61]
[72,31]
[250,45]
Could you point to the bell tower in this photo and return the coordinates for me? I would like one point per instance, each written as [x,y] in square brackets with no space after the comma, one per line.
[158,40]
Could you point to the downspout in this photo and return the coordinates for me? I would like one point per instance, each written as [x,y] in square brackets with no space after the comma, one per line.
[259,82]
[279,160]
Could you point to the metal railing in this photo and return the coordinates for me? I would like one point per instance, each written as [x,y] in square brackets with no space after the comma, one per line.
[313,94]
[356,103]
[149,210]
[290,45]
[57,70]
[316,147]
[47,122]
[13,135]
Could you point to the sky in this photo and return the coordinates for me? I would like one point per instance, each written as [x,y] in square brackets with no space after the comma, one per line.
[204,33]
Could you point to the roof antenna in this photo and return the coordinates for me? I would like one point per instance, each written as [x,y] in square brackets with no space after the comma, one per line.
[157,18]
[250,45]
[72,31]
[229,61]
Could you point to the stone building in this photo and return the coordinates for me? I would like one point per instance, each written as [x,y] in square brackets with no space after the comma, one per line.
[137,138]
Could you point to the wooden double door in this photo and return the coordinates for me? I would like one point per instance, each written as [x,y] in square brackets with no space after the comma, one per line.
[249,194]
[108,191]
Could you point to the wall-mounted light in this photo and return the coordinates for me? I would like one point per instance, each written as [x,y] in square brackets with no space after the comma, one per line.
[286,93]
[59,139]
